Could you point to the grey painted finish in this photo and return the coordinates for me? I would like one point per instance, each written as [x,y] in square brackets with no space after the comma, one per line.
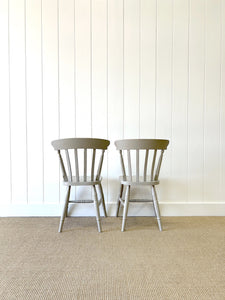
[129,144]
[81,161]
[131,167]
[80,143]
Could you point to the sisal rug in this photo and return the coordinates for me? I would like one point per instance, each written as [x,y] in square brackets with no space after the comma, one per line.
[185,261]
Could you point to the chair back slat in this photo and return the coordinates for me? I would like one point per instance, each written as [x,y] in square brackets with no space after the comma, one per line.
[85,164]
[68,165]
[122,164]
[129,164]
[100,165]
[137,165]
[93,165]
[153,164]
[76,165]
[65,178]
[145,164]
[159,165]
[81,159]
[142,148]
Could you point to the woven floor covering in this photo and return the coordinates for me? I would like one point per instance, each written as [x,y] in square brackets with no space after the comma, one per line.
[185,261]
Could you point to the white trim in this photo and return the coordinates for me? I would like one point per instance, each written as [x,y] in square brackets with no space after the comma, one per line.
[167,209]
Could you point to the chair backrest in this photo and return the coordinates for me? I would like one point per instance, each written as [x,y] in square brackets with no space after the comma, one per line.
[83,157]
[141,158]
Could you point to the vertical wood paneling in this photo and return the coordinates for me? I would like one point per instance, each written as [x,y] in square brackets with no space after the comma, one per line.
[67,75]
[212,100]
[115,91]
[50,98]
[131,69]
[179,99]
[112,69]
[196,101]
[222,102]
[99,68]
[147,78]
[66,68]
[99,76]
[5,174]
[83,54]
[164,68]
[164,84]
[115,69]
[18,99]
[34,101]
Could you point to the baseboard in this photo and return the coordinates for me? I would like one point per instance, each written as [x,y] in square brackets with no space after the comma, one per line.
[137,209]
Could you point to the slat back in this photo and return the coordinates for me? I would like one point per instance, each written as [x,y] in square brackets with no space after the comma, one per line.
[141,156]
[81,159]
[76,165]
[146,164]
[65,178]
[122,164]
[68,165]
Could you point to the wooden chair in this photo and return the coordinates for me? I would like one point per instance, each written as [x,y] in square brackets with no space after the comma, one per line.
[84,159]
[140,161]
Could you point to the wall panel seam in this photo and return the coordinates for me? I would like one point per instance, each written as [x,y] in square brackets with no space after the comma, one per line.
[58,86]
[139,58]
[123,65]
[10,120]
[42,107]
[25,89]
[172,85]
[204,100]
[188,98]
[221,95]
[156,62]
[107,93]
[91,67]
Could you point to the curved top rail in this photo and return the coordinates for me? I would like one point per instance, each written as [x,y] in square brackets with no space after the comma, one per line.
[76,143]
[141,144]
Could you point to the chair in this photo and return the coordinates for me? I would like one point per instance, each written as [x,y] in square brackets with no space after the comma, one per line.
[84,159]
[139,157]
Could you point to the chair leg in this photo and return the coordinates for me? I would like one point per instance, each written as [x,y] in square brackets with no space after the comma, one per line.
[156,207]
[97,209]
[118,200]
[64,209]
[126,204]
[103,200]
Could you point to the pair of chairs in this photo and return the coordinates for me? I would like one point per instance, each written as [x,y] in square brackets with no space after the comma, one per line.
[81,162]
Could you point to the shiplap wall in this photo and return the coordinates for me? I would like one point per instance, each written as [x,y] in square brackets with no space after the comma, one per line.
[112,69]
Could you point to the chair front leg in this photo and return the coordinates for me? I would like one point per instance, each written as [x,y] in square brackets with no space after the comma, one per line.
[126,204]
[103,199]
[64,209]
[97,209]
[156,207]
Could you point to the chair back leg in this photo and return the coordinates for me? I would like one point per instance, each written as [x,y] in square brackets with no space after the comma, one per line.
[102,200]
[64,209]
[97,209]
[156,207]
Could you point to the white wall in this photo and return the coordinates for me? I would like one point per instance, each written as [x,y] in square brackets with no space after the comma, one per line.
[113,69]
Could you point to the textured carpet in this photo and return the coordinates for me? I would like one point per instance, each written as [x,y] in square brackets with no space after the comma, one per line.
[185,261]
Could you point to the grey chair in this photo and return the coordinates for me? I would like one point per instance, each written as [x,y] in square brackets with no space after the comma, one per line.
[140,161]
[81,162]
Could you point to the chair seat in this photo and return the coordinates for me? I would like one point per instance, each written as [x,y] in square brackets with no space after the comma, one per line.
[82,182]
[128,180]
